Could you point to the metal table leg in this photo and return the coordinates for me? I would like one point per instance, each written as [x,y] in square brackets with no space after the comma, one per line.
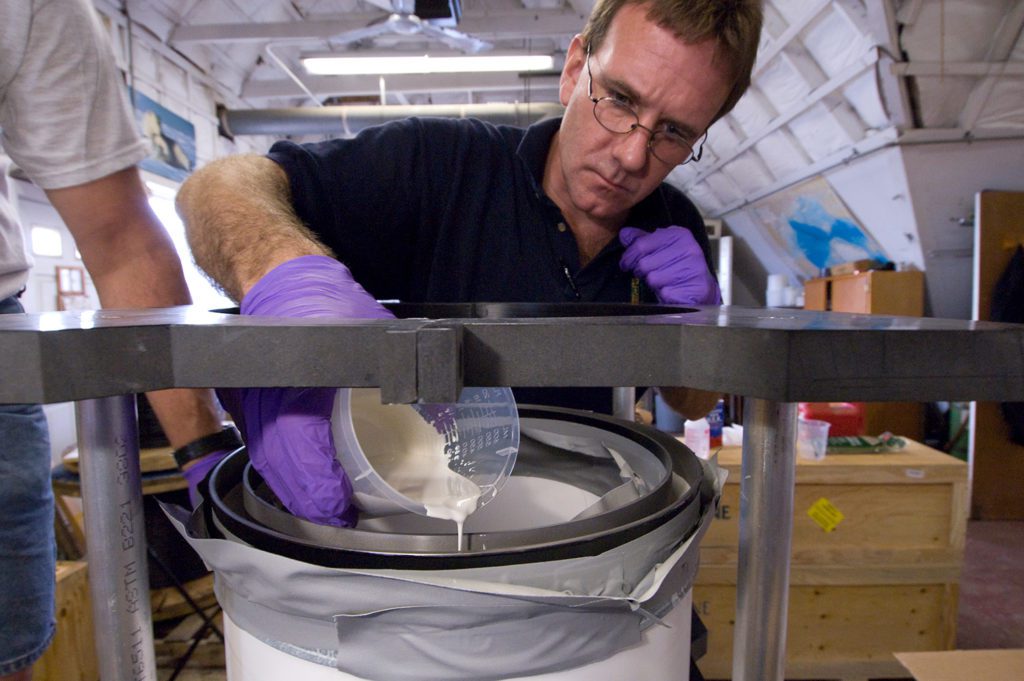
[766,531]
[108,449]
[624,403]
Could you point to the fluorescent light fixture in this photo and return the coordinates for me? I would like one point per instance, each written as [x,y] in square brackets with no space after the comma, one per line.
[374,66]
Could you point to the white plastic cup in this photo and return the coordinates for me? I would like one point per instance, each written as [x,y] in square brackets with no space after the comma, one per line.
[812,438]
[775,293]
[697,436]
[386,448]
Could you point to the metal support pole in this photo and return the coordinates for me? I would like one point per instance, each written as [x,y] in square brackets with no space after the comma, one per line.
[108,450]
[767,477]
[624,403]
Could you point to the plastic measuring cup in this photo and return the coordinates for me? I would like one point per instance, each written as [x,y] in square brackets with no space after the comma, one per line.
[812,438]
[440,460]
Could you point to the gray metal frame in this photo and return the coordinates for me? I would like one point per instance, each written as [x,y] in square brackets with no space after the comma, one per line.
[773,358]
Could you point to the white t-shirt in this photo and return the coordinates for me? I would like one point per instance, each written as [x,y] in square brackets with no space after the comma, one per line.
[64,114]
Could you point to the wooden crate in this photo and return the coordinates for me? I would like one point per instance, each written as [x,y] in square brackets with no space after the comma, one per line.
[72,655]
[906,508]
[883,579]
[837,631]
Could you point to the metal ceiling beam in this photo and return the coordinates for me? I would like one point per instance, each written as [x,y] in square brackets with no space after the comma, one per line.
[1008,34]
[348,120]
[852,70]
[1000,51]
[895,91]
[963,68]
[794,30]
[489,27]
[325,86]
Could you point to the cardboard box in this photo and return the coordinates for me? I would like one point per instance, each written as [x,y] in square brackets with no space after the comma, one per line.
[854,266]
[957,665]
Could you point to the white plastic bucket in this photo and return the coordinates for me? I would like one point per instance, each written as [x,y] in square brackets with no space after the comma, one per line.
[580,569]
[662,655]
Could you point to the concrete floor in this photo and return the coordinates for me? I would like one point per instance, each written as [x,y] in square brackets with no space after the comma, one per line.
[991,613]
[992,586]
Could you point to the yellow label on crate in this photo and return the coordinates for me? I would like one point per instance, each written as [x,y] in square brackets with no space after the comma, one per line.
[825,514]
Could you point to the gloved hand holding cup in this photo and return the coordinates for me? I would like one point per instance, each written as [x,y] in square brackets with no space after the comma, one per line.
[329,453]
[288,430]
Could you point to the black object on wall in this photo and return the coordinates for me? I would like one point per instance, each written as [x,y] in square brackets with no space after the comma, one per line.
[1008,306]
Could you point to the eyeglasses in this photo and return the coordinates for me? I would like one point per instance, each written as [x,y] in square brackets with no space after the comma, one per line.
[616,116]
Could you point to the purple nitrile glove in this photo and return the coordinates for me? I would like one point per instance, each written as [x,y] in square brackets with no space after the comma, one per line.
[197,471]
[288,430]
[672,264]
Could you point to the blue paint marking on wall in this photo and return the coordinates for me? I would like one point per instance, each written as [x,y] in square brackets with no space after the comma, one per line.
[825,239]
[812,241]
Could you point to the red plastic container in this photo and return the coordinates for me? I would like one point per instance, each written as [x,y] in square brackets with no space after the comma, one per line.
[847,418]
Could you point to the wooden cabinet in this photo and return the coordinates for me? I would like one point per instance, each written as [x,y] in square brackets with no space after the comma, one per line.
[871,292]
[876,292]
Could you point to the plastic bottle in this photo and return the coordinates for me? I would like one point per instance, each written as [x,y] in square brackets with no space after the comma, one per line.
[697,436]
[716,419]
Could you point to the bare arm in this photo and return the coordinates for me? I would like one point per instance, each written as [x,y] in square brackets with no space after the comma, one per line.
[240,221]
[690,402]
[133,264]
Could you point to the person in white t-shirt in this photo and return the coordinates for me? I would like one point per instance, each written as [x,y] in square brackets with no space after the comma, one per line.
[66,123]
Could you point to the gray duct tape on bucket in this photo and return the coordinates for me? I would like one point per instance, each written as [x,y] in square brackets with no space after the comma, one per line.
[547,616]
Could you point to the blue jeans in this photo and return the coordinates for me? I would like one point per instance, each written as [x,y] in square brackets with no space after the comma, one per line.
[27,548]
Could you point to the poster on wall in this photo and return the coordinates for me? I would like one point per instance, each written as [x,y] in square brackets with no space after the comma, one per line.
[172,139]
[812,228]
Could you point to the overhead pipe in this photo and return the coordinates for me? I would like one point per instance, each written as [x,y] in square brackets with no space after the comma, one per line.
[348,120]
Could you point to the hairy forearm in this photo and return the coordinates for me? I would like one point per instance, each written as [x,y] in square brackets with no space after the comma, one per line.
[691,403]
[240,222]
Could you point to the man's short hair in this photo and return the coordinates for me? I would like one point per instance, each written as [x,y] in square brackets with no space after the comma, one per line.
[734,24]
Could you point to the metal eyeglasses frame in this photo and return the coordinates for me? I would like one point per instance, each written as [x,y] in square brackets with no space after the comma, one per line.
[694,155]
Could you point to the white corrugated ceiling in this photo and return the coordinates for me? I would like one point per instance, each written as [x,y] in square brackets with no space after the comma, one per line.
[834,77]
[838,82]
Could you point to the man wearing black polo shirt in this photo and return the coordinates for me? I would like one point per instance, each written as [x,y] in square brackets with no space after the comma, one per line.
[432,210]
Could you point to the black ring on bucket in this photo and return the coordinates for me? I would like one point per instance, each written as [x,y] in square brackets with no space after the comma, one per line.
[228,515]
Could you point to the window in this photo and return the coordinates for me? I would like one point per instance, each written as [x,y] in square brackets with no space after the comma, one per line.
[46,241]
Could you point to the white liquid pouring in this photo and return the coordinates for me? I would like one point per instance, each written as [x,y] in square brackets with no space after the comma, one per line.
[408,453]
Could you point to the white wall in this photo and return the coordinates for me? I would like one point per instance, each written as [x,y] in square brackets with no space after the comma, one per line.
[754,257]
[943,179]
[916,200]
[876,190]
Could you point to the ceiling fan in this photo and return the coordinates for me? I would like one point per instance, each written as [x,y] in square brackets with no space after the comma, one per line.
[428,18]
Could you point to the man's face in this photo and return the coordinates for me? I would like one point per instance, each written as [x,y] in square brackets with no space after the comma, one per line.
[599,175]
